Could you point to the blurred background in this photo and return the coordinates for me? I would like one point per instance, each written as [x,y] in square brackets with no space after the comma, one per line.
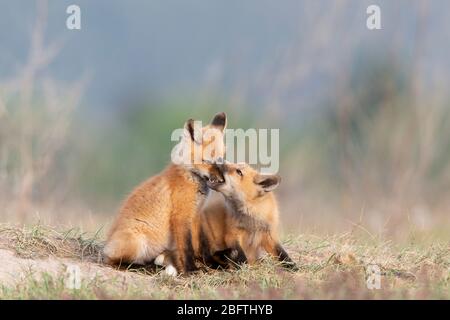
[364,116]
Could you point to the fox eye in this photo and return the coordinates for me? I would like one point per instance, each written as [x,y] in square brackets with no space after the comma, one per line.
[239,172]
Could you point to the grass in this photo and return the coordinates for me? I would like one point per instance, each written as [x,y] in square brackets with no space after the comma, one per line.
[331,267]
[40,241]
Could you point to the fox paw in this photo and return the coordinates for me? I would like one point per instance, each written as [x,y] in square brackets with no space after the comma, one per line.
[171,271]
[159,260]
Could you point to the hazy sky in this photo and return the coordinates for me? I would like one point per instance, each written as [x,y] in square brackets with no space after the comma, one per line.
[162,48]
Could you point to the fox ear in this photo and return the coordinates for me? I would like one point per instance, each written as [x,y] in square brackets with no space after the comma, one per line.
[267,182]
[191,132]
[219,121]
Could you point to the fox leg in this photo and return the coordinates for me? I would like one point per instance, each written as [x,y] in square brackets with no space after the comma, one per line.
[183,255]
[220,258]
[204,248]
[276,249]
[241,256]
[213,261]
[235,252]
[165,260]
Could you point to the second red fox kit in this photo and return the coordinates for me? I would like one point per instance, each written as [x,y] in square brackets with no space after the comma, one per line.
[243,226]
[158,214]
[247,221]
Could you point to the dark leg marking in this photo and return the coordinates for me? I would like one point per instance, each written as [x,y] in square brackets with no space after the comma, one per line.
[241,257]
[205,251]
[235,255]
[223,257]
[285,259]
[189,255]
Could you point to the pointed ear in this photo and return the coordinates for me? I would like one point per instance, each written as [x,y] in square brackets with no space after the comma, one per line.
[189,127]
[267,182]
[219,121]
[190,132]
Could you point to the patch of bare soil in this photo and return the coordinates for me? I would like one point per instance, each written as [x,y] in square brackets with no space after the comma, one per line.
[32,252]
[15,269]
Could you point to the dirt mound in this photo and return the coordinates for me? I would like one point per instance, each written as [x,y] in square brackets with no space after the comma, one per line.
[33,253]
[14,270]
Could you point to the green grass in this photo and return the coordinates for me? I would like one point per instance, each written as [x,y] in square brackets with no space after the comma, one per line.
[332,267]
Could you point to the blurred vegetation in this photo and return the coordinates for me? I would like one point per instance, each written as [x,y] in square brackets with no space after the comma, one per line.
[378,140]
[370,143]
[373,139]
[369,140]
[133,146]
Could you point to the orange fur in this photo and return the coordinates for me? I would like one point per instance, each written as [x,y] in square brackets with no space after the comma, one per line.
[247,221]
[158,214]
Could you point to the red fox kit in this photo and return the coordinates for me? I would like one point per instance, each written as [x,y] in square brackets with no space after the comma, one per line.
[158,214]
[246,222]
